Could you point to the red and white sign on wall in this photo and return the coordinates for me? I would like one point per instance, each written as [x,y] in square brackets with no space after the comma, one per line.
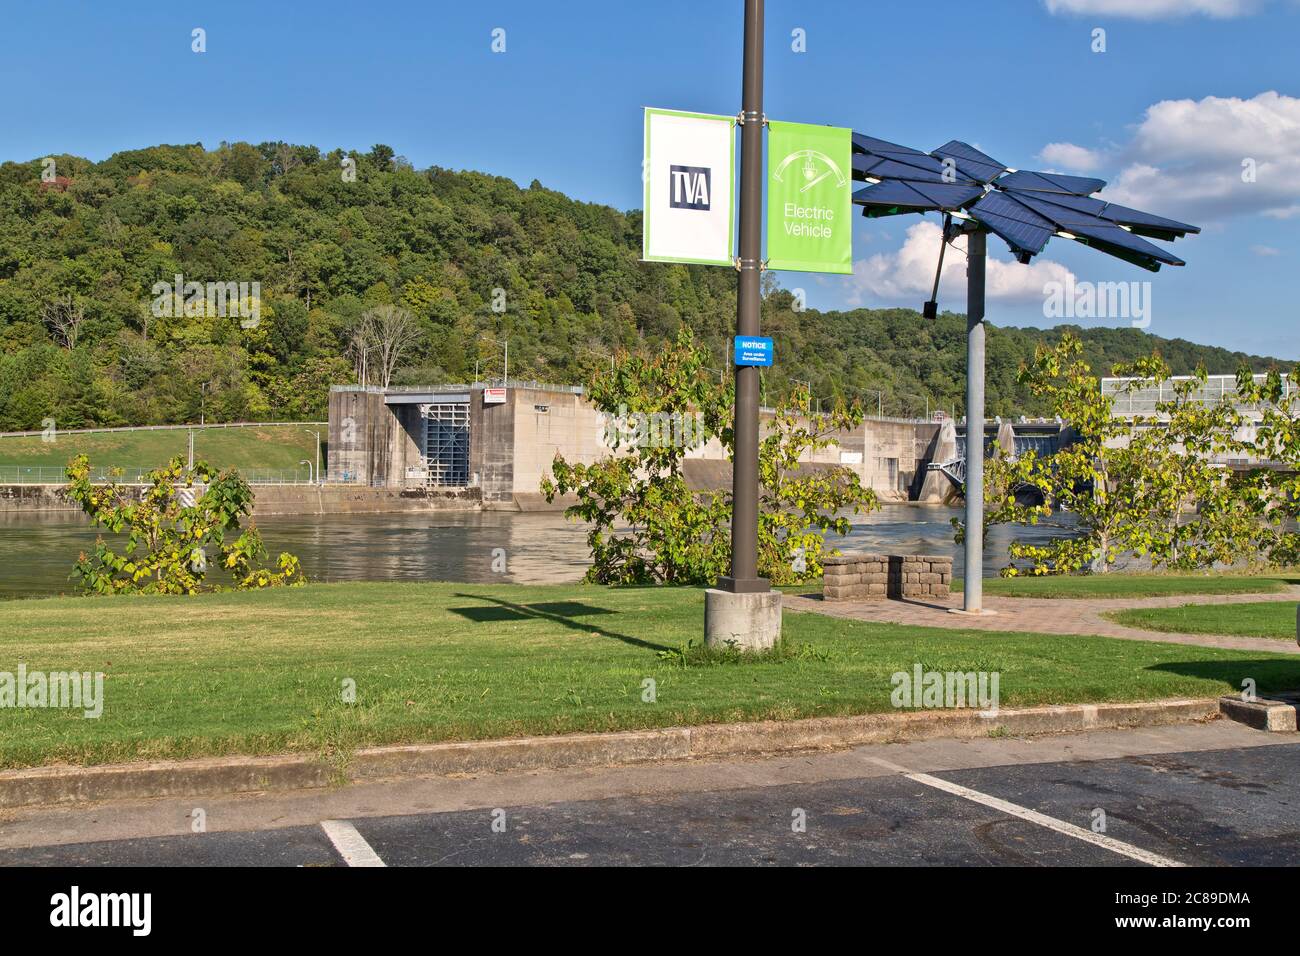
[494,396]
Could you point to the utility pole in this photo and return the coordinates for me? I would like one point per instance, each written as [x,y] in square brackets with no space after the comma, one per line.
[743,610]
[203,388]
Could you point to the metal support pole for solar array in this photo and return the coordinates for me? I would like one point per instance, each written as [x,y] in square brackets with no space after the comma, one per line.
[977,248]
[744,577]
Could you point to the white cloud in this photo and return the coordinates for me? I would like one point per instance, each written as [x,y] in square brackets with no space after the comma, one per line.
[1213,158]
[1265,251]
[1154,9]
[908,273]
[1071,157]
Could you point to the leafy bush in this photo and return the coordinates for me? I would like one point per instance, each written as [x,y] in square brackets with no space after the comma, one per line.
[170,526]
[649,526]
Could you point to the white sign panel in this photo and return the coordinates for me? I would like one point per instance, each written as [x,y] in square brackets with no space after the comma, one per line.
[494,396]
[689,173]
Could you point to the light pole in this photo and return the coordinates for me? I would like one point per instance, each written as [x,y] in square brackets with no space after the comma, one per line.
[744,577]
[203,402]
[310,431]
[743,611]
[310,477]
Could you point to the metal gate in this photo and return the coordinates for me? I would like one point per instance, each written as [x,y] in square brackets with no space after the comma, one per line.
[446,444]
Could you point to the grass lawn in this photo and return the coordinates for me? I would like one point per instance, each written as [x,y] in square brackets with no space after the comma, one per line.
[262,672]
[1265,619]
[271,446]
[1121,584]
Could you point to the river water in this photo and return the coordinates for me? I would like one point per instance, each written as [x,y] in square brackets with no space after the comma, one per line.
[37,552]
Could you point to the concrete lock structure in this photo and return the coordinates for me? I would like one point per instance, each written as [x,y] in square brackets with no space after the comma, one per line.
[473,446]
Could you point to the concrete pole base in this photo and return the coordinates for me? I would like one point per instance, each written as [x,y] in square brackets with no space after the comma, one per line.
[748,622]
[982,612]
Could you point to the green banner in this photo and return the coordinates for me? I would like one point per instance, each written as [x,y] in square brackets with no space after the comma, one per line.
[809,198]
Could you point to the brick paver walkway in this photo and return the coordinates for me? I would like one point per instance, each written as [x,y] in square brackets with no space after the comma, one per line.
[1056,616]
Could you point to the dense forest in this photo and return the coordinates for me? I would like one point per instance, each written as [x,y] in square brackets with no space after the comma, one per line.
[475,260]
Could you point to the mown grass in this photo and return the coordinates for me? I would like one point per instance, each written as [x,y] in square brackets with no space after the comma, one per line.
[278,447]
[1264,619]
[263,672]
[1122,584]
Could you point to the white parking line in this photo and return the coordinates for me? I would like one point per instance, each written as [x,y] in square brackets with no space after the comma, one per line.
[352,846]
[1033,816]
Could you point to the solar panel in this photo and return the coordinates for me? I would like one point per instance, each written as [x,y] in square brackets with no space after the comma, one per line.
[892,197]
[1051,183]
[1101,231]
[969,160]
[1024,230]
[1023,207]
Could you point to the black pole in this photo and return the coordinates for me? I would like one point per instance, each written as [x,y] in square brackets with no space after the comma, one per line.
[744,577]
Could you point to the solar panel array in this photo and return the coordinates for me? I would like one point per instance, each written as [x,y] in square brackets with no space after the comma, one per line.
[1025,208]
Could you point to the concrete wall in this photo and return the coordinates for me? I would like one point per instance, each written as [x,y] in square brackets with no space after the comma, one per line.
[513,444]
[894,456]
[357,499]
[371,443]
[34,499]
[301,499]
[491,448]
[548,423]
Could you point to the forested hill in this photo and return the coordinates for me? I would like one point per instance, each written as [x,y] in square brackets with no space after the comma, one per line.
[82,252]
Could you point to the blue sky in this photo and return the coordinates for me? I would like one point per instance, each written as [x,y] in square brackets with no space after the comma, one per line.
[1180,97]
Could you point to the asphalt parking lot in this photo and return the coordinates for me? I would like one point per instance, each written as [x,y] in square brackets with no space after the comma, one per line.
[1232,800]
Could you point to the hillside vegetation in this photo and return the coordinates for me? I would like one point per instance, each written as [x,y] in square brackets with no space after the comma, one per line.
[93,244]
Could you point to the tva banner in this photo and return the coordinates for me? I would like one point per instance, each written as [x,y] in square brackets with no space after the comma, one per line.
[809,198]
[689,175]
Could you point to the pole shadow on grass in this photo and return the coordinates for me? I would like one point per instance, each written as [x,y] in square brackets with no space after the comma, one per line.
[557,612]
[1269,675]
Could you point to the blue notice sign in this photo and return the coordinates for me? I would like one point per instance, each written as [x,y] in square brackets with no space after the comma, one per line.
[753,350]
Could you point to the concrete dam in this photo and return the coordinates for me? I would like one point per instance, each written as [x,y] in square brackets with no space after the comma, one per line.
[488,447]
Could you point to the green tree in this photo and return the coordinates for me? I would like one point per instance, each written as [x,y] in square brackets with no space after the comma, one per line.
[1189,510]
[1152,485]
[648,525]
[1276,447]
[1092,476]
[171,526]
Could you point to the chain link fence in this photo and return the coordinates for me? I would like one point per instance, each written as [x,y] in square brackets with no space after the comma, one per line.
[53,475]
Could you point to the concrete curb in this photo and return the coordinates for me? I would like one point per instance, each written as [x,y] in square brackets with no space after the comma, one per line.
[1274,716]
[224,775]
